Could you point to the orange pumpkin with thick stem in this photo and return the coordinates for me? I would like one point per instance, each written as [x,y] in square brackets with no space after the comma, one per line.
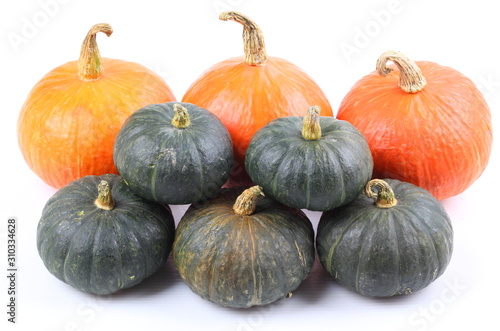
[248,92]
[433,130]
[68,124]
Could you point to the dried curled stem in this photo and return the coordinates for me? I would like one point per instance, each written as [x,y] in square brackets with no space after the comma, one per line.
[90,61]
[104,199]
[311,130]
[181,119]
[384,197]
[247,201]
[411,79]
[253,39]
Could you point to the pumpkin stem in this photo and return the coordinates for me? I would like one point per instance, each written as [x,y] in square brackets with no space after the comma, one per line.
[104,199]
[384,196]
[90,61]
[181,118]
[253,39]
[247,201]
[311,130]
[411,79]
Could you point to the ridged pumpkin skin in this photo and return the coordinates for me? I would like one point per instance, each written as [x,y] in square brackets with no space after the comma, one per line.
[103,251]
[313,174]
[173,165]
[246,95]
[439,138]
[382,252]
[241,261]
[67,126]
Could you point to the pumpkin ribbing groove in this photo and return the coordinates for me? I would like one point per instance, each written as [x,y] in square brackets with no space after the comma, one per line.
[132,236]
[188,233]
[415,232]
[143,241]
[155,169]
[334,164]
[71,237]
[277,174]
[393,224]
[332,249]
[267,222]
[422,265]
[255,294]
[299,254]
[161,150]
[212,255]
[427,233]
[271,225]
[309,170]
[337,165]
[69,252]
[49,244]
[277,225]
[95,248]
[117,228]
[200,166]
[368,230]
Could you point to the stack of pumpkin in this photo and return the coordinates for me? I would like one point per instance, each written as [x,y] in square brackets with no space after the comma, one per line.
[402,140]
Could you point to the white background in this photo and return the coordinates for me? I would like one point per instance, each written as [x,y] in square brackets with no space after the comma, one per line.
[179,40]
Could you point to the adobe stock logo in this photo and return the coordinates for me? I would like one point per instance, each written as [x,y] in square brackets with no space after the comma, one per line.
[363,35]
[32,24]
[426,315]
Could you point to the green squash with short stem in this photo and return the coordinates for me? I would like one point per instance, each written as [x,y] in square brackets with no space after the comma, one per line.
[311,162]
[393,240]
[174,153]
[241,249]
[96,235]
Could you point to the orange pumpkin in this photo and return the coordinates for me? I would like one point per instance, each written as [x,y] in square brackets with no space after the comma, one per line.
[433,130]
[248,92]
[67,126]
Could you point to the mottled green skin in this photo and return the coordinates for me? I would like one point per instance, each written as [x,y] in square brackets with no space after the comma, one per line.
[103,251]
[170,165]
[309,174]
[242,261]
[382,252]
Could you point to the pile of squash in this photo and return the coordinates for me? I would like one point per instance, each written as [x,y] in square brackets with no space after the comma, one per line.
[251,145]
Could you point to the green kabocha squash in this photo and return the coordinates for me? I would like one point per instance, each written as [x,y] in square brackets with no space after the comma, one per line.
[174,153]
[311,162]
[239,250]
[396,238]
[96,235]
